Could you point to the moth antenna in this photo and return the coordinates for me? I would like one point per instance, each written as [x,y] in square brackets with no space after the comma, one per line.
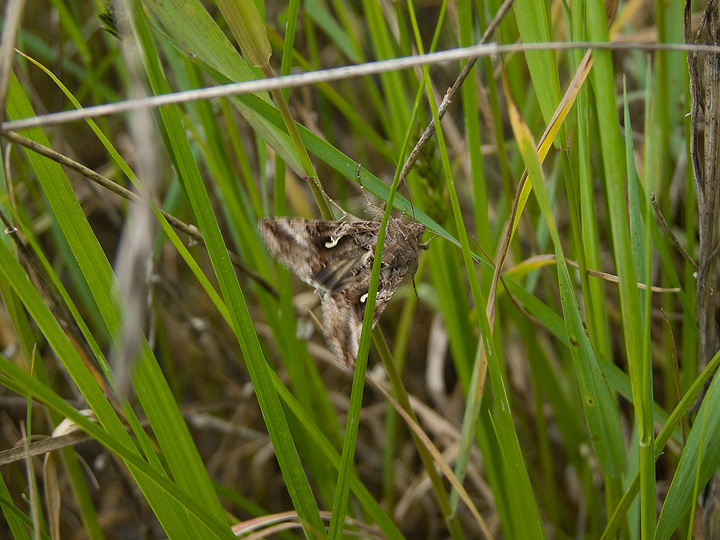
[362,187]
[412,205]
[404,180]
[322,190]
[374,210]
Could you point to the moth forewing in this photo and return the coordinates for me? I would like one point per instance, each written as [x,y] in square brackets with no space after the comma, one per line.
[289,242]
[342,324]
[336,258]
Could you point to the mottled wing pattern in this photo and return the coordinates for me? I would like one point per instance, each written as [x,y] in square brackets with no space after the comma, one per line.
[342,317]
[322,253]
[343,312]
[336,258]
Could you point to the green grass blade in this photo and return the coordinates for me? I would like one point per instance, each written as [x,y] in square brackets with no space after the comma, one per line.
[533,20]
[275,420]
[206,42]
[639,364]
[703,440]
[600,407]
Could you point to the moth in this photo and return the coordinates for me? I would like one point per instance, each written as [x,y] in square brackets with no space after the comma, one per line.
[336,258]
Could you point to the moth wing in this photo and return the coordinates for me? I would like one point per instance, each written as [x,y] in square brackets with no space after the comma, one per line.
[336,257]
[342,327]
[389,282]
[324,254]
[343,312]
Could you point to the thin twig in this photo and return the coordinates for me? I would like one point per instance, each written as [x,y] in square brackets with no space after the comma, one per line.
[665,227]
[612,278]
[335,74]
[105,182]
[41,447]
[450,95]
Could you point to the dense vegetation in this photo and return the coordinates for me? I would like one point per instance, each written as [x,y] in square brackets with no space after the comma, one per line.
[525,384]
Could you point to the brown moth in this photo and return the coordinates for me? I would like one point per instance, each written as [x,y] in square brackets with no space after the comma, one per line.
[336,258]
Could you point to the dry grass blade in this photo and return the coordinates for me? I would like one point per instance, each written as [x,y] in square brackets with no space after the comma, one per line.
[438,458]
[11,25]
